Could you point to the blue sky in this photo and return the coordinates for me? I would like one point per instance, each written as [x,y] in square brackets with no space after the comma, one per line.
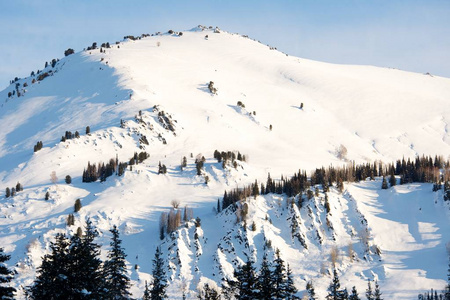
[409,35]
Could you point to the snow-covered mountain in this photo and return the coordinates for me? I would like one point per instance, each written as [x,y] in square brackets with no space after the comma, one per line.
[153,94]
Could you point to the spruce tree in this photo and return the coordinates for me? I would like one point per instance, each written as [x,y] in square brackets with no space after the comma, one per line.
[6,275]
[369,292]
[116,278]
[208,293]
[392,179]
[265,280]
[354,295]
[86,272]
[377,293]
[384,184]
[279,277]
[53,276]
[159,283]
[311,291]
[247,281]
[146,292]
[291,290]
[334,287]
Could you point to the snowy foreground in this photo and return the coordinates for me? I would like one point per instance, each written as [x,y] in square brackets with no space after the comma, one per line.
[294,114]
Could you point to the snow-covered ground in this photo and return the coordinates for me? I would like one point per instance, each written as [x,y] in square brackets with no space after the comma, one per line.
[375,113]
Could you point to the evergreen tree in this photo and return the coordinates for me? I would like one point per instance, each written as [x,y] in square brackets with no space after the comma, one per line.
[265,280]
[377,293]
[334,287]
[146,292]
[116,278]
[246,281]
[159,283]
[279,277]
[354,295]
[369,292]
[291,290]
[384,184]
[392,179]
[53,278]
[447,287]
[6,292]
[7,192]
[311,291]
[86,273]
[208,293]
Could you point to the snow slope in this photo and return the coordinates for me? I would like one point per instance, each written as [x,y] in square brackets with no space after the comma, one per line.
[375,113]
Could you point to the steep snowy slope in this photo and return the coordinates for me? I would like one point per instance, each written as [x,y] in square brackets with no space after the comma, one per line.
[157,87]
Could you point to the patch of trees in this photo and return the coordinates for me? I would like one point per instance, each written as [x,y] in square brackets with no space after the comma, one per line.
[102,171]
[93,47]
[169,222]
[199,163]
[273,281]
[69,52]
[69,135]
[38,146]
[74,269]
[11,192]
[422,169]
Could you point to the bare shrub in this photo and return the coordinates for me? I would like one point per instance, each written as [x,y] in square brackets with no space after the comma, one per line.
[341,152]
[334,255]
[175,204]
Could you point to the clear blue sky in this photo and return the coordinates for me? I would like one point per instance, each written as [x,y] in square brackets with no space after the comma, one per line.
[409,35]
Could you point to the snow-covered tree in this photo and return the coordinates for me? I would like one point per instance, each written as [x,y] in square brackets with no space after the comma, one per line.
[116,278]
[279,277]
[6,275]
[265,279]
[354,295]
[53,276]
[369,292]
[159,283]
[246,281]
[310,290]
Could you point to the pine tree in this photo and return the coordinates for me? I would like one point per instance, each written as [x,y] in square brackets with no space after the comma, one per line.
[279,277]
[377,293]
[159,283]
[447,287]
[384,184]
[116,278]
[334,287]
[392,179]
[146,292]
[291,290]
[53,281]
[7,192]
[354,295]
[369,292]
[311,291]
[86,275]
[208,293]
[265,280]
[247,281]
[6,275]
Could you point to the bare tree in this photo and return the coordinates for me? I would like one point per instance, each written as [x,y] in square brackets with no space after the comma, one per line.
[53,177]
[175,204]
[334,255]
[341,152]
